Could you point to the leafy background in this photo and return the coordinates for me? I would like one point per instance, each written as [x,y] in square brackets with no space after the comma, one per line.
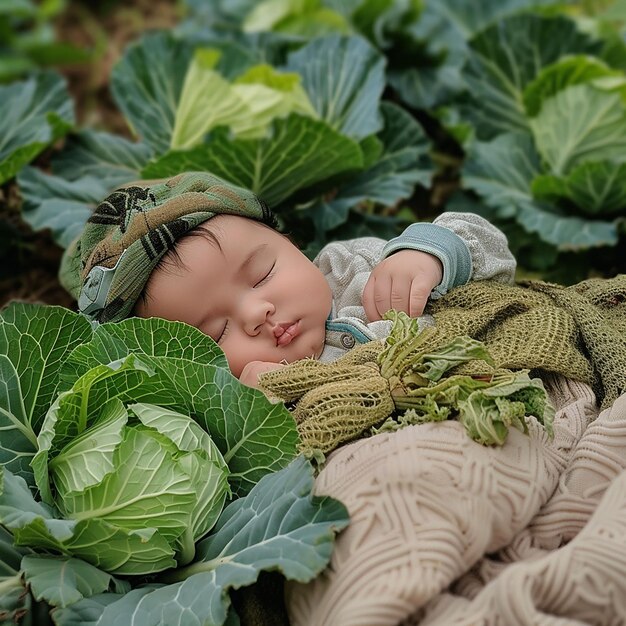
[350,117]
[137,476]
[88,39]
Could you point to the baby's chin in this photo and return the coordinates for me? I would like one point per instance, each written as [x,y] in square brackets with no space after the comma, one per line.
[310,351]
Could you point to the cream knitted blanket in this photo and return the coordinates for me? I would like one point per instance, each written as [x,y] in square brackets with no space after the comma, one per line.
[447,532]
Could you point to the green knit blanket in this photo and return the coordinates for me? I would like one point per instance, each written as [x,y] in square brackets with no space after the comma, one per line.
[476,365]
[577,331]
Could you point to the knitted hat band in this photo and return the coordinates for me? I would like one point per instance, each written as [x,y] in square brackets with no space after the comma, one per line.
[107,267]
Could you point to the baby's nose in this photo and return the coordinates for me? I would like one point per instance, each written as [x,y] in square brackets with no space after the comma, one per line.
[257,316]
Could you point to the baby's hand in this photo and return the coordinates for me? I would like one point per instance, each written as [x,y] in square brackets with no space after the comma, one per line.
[402,281]
[250,373]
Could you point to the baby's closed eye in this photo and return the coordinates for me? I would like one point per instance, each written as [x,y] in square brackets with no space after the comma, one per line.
[222,334]
[267,275]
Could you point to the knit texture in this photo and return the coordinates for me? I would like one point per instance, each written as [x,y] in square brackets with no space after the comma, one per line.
[338,402]
[444,532]
[577,331]
[135,226]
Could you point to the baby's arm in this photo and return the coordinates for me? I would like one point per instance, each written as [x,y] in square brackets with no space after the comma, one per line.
[429,259]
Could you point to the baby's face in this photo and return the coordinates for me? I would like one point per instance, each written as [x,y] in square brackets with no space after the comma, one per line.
[255,294]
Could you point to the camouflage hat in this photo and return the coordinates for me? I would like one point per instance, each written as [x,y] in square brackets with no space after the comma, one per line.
[107,267]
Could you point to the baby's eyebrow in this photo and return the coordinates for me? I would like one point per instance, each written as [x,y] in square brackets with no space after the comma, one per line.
[253,254]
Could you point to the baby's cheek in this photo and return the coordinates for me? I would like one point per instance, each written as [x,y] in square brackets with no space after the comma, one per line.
[237,360]
[315,346]
[235,368]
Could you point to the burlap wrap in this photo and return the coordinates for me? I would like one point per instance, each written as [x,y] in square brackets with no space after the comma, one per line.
[577,331]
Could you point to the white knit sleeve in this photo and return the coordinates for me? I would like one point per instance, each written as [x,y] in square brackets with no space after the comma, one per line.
[347,265]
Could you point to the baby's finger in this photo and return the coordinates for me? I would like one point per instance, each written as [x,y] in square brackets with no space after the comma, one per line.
[400,295]
[382,294]
[418,297]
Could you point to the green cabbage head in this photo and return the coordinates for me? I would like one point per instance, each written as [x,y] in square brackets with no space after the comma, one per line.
[134,484]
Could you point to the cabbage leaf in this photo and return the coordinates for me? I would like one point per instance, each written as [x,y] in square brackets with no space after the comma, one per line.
[34,113]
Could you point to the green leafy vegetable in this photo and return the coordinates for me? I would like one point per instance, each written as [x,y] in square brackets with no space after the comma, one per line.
[188,373]
[34,341]
[247,105]
[61,205]
[306,18]
[35,113]
[595,188]
[299,153]
[149,98]
[564,181]
[124,439]
[134,470]
[144,398]
[406,360]
[486,404]
[89,167]
[580,124]
[569,71]
[402,163]
[63,581]
[99,155]
[555,118]
[504,60]
[348,97]
[277,526]
[15,600]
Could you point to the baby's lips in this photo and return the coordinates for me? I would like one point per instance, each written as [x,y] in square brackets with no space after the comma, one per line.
[280,329]
[286,332]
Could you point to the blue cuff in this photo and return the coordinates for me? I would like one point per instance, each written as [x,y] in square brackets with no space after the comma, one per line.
[441,242]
